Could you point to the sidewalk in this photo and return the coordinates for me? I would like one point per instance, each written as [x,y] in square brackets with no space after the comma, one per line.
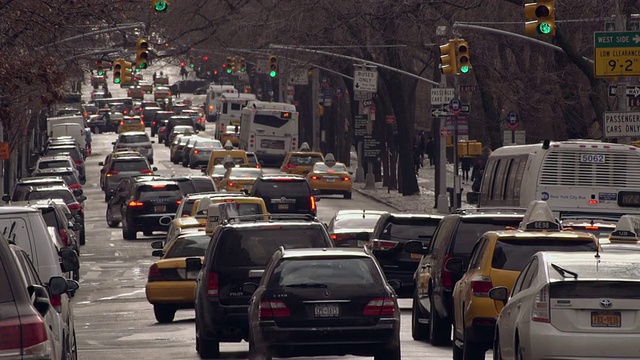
[422,203]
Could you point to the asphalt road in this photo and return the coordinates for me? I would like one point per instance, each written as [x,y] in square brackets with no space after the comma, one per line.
[114,320]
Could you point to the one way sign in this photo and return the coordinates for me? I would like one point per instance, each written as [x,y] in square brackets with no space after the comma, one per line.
[633,91]
[465,109]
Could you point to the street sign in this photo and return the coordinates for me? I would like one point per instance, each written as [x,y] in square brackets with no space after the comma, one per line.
[5,153]
[510,137]
[441,96]
[371,149]
[359,95]
[390,119]
[634,103]
[513,120]
[367,103]
[365,80]
[468,88]
[633,91]
[359,127]
[621,123]
[616,53]
[613,89]
[299,77]
[455,106]
[465,109]
[463,125]
[436,112]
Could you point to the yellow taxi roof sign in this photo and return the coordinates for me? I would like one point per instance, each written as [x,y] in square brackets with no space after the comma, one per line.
[539,217]
[228,162]
[228,145]
[304,147]
[329,160]
[627,229]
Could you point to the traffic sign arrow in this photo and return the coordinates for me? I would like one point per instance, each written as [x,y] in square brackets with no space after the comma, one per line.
[437,112]
[464,109]
[636,39]
[633,91]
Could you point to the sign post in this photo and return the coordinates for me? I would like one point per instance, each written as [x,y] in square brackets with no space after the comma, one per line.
[513,120]
[455,107]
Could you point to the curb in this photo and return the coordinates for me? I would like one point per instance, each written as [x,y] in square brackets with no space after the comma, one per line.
[369,196]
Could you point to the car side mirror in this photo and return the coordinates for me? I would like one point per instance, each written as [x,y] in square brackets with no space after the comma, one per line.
[154,168]
[72,285]
[70,260]
[255,274]
[58,285]
[203,170]
[454,265]
[157,253]
[69,216]
[193,264]
[81,198]
[499,293]
[113,143]
[415,247]
[158,245]
[40,298]
[101,163]
[395,284]
[6,198]
[249,287]
[317,192]
[350,172]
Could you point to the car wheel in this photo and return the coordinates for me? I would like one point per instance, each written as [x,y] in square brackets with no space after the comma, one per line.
[76,275]
[192,166]
[185,164]
[392,353]
[110,222]
[207,348]
[471,350]
[126,233]
[347,195]
[457,351]
[175,161]
[439,328]
[418,331]
[164,313]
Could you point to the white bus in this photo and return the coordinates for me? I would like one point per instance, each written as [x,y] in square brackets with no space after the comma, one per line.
[578,178]
[269,129]
[212,101]
[230,110]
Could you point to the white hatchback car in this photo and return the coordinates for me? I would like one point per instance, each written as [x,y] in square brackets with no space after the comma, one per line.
[571,306]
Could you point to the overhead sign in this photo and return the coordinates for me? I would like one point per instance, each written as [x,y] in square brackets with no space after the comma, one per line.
[621,123]
[365,80]
[513,120]
[617,53]
[299,77]
[441,96]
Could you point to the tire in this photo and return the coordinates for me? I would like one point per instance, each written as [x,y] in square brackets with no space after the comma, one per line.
[164,313]
[147,232]
[191,166]
[457,352]
[419,331]
[389,354]
[439,328]
[83,236]
[347,195]
[126,233]
[106,197]
[208,348]
[76,275]
[472,350]
[175,161]
[185,164]
[110,222]
[153,134]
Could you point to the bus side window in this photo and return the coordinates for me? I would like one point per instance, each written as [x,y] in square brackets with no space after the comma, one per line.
[494,180]
[500,182]
[517,178]
[224,108]
[487,182]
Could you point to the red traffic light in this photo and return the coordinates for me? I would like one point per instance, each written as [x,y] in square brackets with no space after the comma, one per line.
[224,66]
[205,58]
[215,72]
[182,63]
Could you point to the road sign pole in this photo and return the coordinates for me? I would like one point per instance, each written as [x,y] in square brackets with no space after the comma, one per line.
[456,160]
[621,25]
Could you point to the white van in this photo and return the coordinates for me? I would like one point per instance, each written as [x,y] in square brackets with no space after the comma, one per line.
[69,129]
[76,119]
[229,111]
[212,101]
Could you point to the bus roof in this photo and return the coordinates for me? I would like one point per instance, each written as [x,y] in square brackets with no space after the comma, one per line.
[260,105]
[238,96]
[553,145]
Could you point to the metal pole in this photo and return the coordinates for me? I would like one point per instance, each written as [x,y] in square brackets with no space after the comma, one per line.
[314,109]
[456,157]
[621,91]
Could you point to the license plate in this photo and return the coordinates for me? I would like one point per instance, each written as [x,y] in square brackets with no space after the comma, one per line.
[416,256]
[192,275]
[159,208]
[326,310]
[331,180]
[605,319]
[283,206]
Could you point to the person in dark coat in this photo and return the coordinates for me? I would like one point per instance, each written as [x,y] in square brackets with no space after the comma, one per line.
[430,150]
[476,174]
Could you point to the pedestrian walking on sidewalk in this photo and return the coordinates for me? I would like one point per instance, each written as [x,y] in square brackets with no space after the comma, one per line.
[430,149]
[467,164]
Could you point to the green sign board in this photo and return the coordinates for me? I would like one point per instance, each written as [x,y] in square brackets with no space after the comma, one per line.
[617,53]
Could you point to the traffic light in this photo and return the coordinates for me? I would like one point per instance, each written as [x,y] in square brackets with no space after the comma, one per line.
[192,64]
[243,65]
[205,58]
[117,71]
[273,66]
[448,58]
[99,69]
[159,5]
[142,53]
[462,60]
[541,18]
[229,65]
[126,71]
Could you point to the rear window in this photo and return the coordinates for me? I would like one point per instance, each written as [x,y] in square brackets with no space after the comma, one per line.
[181,121]
[129,165]
[325,272]
[245,173]
[71,151]
[409,229]
[53,164]
[236,160]
[270,121]
[163,116]
[304,160]
[187,207]
[187,246]
[50,218]
[280,188]
[203,185]
[65,195]
[153,192]
[130,139]
[514,254]
[131,121]
[320,166]
[69,178]
[470,231]
[368,223]
[208,144]
[596,289]
[255,247]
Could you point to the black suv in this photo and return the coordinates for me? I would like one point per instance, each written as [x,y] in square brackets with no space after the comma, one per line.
[236,249]
[148,206]
[157,119]
[387,241]
[455,237]
[286,194]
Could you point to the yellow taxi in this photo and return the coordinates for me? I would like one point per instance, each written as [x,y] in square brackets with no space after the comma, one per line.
[217,157]
[231,133]
[131,123]
[301,162]
[169,286]
[331,177]
[496,260]
[245,205]
[240,178]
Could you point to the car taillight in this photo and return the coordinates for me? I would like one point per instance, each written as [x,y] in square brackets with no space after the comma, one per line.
[179,202]
[162,130]
[290,166]
[196,151]
[377,244]
[229,183]
[141,122]
[169,93]
[540,311]
[27,335]
[113,172]
[154,273]
[315,177]
[379,306]
[145,171]
[78,162]
[346,178]
[74,206]
[480,286]
[64,237]
[274,309]
[312,199]
[56,302]
[153,123]
[446,275]
[341,237]
[212,284]
[142,116]
[125,112]
[134,203]
[121,123]
[75,186]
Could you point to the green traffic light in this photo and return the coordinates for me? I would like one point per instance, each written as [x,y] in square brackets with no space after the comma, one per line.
[116,80]
[229,71]
[243,69]
[100,72]
[143,65]
[272,73]
[464,69]
[544,28]
[160,6]
[192,65]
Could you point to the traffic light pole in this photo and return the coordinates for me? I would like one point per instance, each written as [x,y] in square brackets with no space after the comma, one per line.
[621,91]
[456,159]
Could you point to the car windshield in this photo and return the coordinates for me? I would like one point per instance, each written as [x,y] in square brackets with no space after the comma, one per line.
[256,246]
[130,165]
[307,160]
[131,139]
[50,164]
[182,130]
[360,272]
[219,170]
[321,167]
[368,223]
[154,192]
[42,194]
[187,246]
